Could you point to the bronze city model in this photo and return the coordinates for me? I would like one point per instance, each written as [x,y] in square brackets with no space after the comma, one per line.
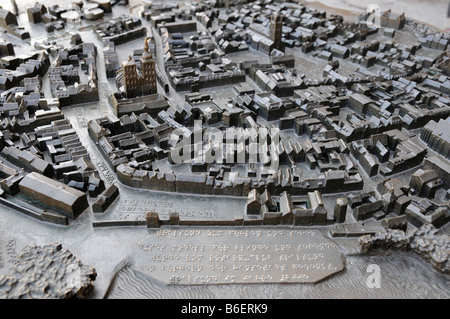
[193,148]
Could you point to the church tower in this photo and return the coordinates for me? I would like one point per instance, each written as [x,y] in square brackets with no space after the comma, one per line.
[148,83]
[130,78]
[276,26]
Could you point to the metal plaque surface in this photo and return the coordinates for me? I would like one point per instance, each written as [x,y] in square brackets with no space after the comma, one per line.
[262,255]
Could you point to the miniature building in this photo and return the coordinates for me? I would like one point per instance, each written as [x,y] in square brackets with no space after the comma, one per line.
[133,82]
[120,30]
[437,136]
[35,13]
[105,199]
[365,205]
[27,160]
[267,39]
[7,17]
[6,49]
[392,20]
[8,21]
[254,202]
[276,26]
[340,210]
[425,183]
[62,198]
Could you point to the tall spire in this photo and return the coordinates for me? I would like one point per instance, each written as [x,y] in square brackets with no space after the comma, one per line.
[147,54]
[146,48]
[276,27]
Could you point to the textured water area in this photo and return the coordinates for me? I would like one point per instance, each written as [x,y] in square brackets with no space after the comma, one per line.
[402,275]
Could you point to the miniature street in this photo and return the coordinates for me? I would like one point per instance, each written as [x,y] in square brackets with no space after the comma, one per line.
[222,149]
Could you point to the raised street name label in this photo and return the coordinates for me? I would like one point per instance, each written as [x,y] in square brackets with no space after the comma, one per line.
[162,207]
[194,256]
